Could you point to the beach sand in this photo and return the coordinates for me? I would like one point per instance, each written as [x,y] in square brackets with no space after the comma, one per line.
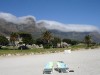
[83,62]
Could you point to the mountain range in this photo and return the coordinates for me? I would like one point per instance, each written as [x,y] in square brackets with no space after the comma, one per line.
[36,28]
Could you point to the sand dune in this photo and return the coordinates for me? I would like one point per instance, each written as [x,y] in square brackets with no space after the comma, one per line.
[83,62]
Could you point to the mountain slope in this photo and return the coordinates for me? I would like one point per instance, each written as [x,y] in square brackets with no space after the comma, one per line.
[27,25]
[36,28]
[76,35]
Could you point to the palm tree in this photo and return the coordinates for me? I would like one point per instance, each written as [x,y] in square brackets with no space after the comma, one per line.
[87,40]
[47,36]
[13,38]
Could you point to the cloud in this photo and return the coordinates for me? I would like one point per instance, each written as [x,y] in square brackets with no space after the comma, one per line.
[26,19]
[11,18]
[67,27]
[8,17]
[48,24]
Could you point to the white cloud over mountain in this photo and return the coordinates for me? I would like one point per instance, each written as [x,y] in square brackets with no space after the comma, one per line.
[11,18]
[67,27]
[8,17]
[50,24]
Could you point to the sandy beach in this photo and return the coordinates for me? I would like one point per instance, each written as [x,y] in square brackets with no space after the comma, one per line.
[83,62]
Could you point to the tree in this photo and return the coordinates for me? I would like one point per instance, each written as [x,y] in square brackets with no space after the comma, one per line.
[39,41]
[47,36]
[67,41]
[55,41]
[3,41]
[13,38]
[26,38]
[87,39]
[46,39]
[74,42]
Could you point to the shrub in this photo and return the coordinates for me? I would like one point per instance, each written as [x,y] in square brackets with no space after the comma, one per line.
[46,46]
[23,48]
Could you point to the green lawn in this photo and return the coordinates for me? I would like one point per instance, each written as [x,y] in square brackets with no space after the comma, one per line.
[15,51]
[35,51]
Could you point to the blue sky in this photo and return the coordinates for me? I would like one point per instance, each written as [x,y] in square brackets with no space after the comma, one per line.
[64,11]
